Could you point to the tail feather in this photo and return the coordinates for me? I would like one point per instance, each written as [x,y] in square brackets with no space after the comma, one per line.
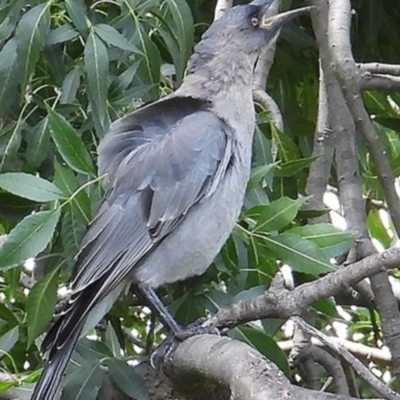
[48,385]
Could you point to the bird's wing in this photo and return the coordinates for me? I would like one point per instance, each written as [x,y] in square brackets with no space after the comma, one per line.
[160,160]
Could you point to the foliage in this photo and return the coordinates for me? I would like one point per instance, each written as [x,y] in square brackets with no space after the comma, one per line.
[69,68]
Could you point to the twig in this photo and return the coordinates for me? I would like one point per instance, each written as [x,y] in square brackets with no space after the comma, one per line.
[357,365]
[379,68]
[361,350]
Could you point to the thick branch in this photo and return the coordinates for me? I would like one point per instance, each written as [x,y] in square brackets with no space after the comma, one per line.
[345,68]
[233,364]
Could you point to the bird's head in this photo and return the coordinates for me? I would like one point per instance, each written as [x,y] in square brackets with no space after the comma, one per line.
[247,28]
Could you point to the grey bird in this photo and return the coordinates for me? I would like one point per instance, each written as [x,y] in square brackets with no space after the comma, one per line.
[176,174]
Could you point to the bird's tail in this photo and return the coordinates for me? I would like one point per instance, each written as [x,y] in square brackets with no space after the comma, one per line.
[48,385]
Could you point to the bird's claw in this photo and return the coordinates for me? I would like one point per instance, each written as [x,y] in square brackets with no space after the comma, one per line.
[196,329]
[166,350]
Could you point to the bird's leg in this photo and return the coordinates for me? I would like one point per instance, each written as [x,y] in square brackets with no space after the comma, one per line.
[196,328]
[156,305]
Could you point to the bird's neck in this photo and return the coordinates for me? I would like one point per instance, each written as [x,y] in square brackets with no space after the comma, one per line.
[225,82]
[217,72]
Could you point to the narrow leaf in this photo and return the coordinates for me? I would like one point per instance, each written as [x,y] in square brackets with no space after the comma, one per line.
[72,231]
[28,238]
[331,240]
[293,167]
[127,379]
[112,37]
[38,143]
[84,383]
[279,214]
[69,184]
[8,340]
[264,344]
[30,187]
[96,66]
[302,255]
[70,86]
[31,35]
[69,144]
[40,305]
[61,34]
[9,74]
[77,11]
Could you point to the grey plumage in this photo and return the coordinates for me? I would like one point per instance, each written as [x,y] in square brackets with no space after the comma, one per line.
[176,174]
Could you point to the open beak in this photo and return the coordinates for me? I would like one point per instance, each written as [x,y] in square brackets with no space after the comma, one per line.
[276,21]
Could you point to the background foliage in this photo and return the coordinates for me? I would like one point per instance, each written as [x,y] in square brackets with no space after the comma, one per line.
[69,68]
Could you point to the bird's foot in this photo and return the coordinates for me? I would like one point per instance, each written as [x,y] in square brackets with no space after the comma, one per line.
[165,351]
[199,327]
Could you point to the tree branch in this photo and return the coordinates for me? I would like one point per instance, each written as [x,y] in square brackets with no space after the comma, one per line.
[379,68]
[339,22]
[380,82]
[221,7]
[357,365]
[284,304]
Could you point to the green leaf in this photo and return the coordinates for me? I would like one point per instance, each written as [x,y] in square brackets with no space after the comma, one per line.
[264,344]
[293,167]
[31,35]
[69,144]
[7,315]
[127,379]
[182,29]
[72,231]
[112,37]
[96,66]
[30,187]
[302,255]
[377,229]
[28,238]
[91,351]
[279,214]
[40,305]
[63,33]
[327,306]
[125,79]
[259,173]
[8,340]
[38,143]
[331,240]
[70,86]
[9,75]
[77,11]
[4,386]
[150,66]
[69,184]
[84,383]
[262,149]
[286,147]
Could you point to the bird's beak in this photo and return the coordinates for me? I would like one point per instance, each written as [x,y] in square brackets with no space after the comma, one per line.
[276,21]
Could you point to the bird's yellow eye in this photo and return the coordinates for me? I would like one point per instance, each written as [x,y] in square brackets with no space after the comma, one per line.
[255,21]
